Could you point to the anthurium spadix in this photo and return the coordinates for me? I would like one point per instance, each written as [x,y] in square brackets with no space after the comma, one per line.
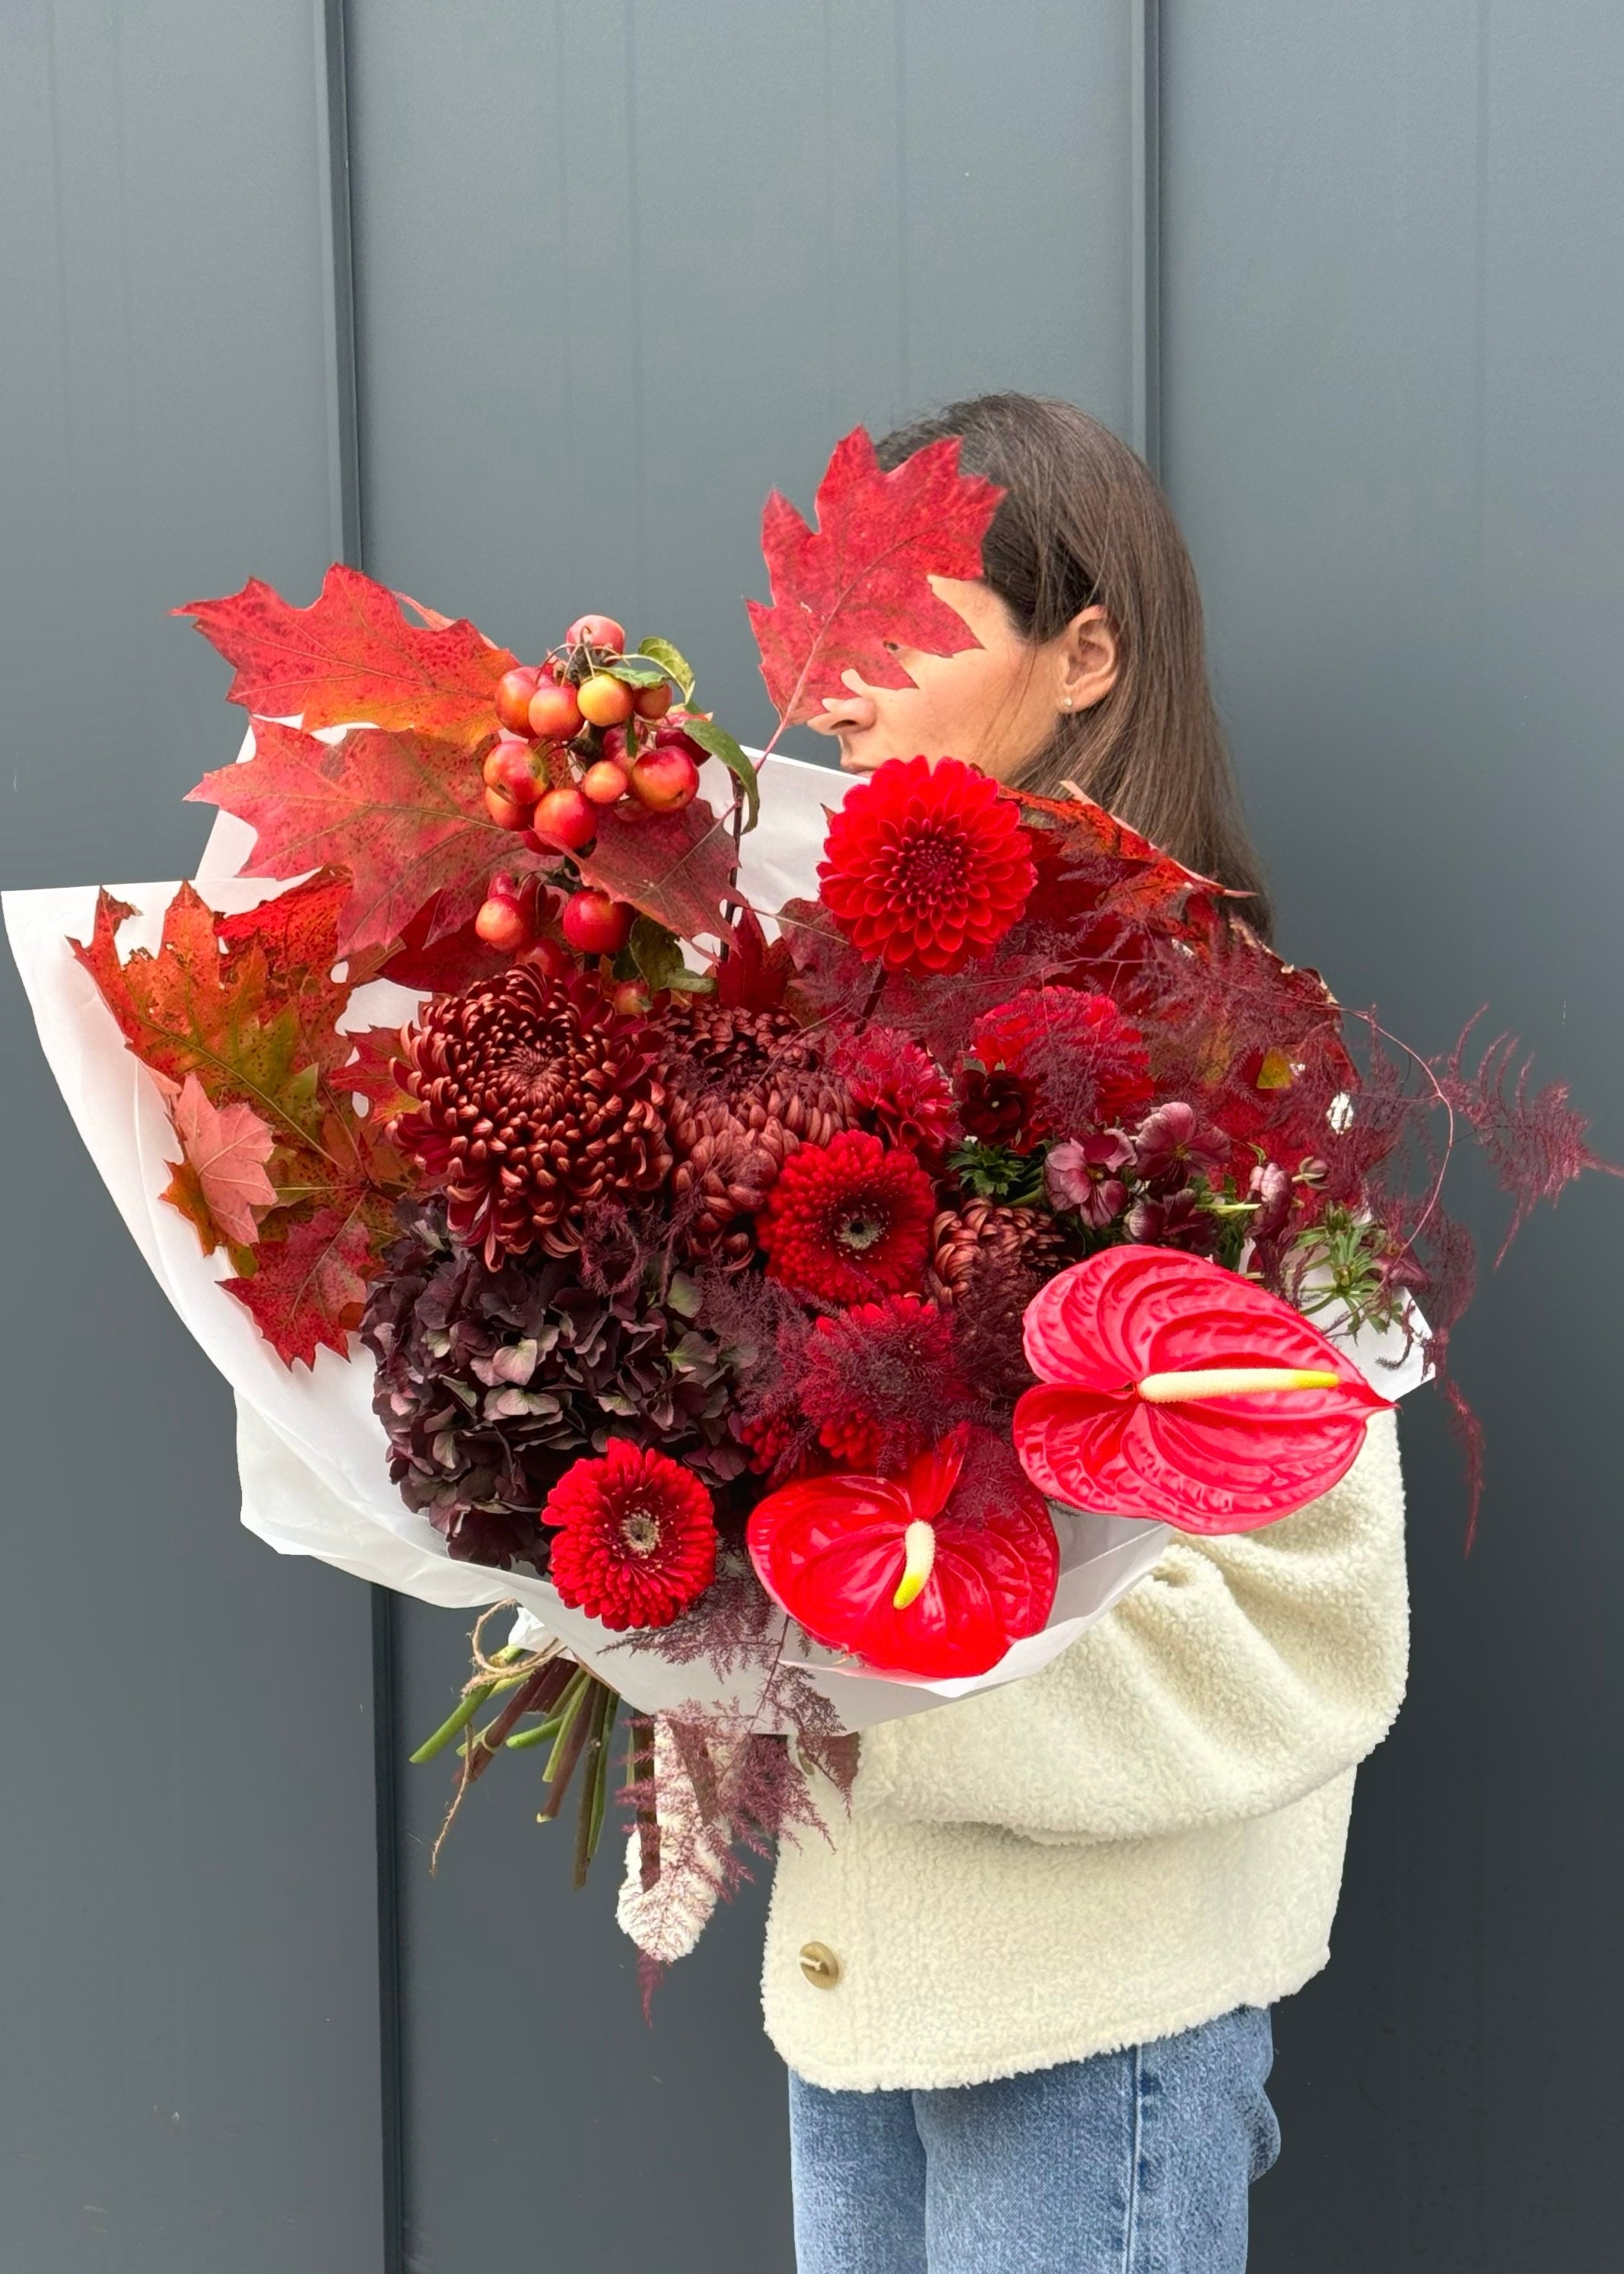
[1169,1387]
[935,1572]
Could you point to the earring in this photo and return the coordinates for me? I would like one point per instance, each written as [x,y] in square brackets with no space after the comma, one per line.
[1065,702]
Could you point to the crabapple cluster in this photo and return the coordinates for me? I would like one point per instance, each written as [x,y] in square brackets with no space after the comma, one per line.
[587,729]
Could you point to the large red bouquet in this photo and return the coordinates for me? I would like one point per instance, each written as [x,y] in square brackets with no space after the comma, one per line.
[776,1284]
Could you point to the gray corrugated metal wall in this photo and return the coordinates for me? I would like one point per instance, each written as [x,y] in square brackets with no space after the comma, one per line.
[617,270]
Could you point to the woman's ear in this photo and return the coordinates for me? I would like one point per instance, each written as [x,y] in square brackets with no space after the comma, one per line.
[1089,661]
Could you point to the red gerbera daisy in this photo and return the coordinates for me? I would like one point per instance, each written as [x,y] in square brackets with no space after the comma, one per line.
[636,1542]
[901,1089]
[926,866]
[879,1380]
[849,1219]
[1084,1064]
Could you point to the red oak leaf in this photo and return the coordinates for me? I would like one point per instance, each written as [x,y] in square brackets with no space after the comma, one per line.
[308,1290]
[222,1009]
[352,656]
[221,1179]
[677,867]
[848,592]
[190,1010]
[404,813]
[438,962]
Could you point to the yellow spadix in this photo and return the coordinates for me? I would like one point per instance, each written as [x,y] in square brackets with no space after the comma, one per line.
[1231,1381]
[918,1547]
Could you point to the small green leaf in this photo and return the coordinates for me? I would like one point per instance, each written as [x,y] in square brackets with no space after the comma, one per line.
[635,670]
[655,952]
[721,745]
[684,1295]
[673,663]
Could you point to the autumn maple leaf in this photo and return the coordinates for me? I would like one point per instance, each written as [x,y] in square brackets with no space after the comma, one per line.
[220,1179]
[677,867]
[308,1290]
[352,655]
[404,813]
[849,591]
[237,1017]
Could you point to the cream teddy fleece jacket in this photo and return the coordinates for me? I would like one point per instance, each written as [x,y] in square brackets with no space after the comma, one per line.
[1145,1835]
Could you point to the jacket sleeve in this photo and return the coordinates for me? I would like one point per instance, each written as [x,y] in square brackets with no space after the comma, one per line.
[1240,1674]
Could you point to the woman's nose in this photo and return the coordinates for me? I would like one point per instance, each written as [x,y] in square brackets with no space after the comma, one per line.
[854,709]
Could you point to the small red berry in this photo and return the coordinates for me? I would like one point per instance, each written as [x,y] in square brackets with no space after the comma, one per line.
[665,780]
[502,924]
[506,811]
[604,782]
[605,700]
[511,769]
[631,998]
[652,702]
[554,713]
[514,690]
[596,924]
[674,738]
[563,817]
[596,631]
[547,957]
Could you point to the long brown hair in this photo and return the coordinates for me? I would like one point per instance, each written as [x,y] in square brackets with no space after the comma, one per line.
[1083,522]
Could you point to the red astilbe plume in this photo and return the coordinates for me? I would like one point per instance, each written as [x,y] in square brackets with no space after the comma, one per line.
[535,1103]
[1085,1065]
[926,866]
[848,1220]
[1536,1144]
[636,1542]
[881,1380]
[901,1089]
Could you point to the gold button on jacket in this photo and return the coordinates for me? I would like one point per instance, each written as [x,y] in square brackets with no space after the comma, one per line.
[820,1965]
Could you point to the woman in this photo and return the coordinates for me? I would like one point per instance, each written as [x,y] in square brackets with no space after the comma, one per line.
[1023,1991]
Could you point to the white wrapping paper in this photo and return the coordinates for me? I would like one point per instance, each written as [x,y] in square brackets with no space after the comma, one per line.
[312,1456]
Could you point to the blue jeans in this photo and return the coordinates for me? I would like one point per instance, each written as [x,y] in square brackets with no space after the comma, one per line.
[1130,2162]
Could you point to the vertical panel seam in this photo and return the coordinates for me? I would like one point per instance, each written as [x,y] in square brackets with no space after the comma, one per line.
[345,538]
[338,284]
[1144,223]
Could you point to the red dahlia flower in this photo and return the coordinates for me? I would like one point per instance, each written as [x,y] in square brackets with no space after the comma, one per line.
[848,1220]
[926,866]
[901,1087]
[635,1543]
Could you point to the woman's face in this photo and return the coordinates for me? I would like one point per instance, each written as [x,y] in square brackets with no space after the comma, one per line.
[995,705]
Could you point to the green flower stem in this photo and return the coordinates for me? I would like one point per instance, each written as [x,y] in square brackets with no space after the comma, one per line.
[464,1711]
[567,1749]
[522,1740]
[568,1714]
[590,1816]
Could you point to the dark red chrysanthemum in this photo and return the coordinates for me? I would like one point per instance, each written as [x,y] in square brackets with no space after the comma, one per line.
[848,1220]
[636,1542]
[536,1103]
[878,1381]
[926,865]
[1086,1065]
[901,1089]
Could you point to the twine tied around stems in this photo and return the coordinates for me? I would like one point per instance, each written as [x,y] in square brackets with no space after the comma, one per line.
[577,1713]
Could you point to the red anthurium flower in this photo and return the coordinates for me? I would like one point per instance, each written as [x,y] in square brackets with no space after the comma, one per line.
[1172,1389]
[935,1572]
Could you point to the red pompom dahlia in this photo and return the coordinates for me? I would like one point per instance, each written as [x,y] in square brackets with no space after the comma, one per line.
[848,1220]
[901,1089]
[635,1543]
[926,866]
